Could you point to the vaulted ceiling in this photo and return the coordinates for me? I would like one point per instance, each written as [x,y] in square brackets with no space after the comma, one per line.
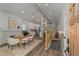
[31,12]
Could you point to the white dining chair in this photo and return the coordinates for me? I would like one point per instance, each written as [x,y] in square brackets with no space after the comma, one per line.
[12,41]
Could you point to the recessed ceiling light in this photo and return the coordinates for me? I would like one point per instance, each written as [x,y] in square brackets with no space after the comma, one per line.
[46,4]
[22,11]
[32,17]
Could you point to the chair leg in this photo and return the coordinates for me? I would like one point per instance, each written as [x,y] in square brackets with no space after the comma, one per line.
[32,40]
[8,46]
[29,42]
[24,44]
[12,47]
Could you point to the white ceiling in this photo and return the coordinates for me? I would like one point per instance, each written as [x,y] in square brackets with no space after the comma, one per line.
[52,11]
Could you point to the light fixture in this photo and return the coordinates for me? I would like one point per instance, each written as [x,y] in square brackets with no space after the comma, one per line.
[22,11]
[32,17]
[46,4]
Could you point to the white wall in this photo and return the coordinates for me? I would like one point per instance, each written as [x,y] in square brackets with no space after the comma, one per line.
[30,25]
[43,25]
[26,23]
[4,25]
[66,27]
[4,19]
[63,27]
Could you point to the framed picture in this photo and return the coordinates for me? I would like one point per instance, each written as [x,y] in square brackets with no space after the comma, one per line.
[12,22]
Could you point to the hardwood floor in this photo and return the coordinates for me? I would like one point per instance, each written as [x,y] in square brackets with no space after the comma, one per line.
[50,52]
[36,48]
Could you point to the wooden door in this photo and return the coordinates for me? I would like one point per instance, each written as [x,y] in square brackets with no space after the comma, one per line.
[74,39]
[77,31]
[74,33]
[71,40]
